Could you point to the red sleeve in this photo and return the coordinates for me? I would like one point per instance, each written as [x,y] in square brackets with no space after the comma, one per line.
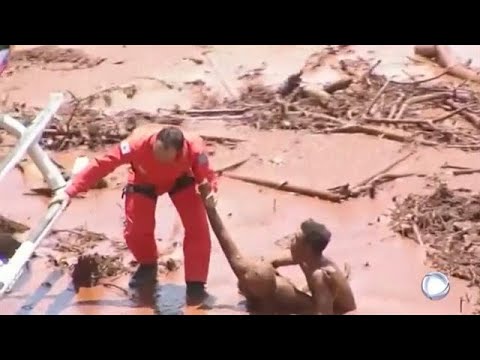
[103,165]
[201,164]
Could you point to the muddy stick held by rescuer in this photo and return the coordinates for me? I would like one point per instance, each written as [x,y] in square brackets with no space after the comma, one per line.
[162,162]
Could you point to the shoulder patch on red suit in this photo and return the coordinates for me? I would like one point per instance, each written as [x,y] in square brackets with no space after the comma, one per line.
[202,159]
[125,148]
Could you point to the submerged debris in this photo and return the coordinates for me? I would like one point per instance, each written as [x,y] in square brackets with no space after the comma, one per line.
[11,227]
[90,269]
[79,251]
[447,224]
[8,245]
[49,54]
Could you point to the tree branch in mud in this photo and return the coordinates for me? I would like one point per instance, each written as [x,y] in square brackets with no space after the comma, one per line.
[370,188]
[284,186]
[232,166]
[385,170]
[466,172]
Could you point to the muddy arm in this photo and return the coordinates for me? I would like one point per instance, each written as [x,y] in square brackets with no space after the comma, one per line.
[227,244]
[285,260]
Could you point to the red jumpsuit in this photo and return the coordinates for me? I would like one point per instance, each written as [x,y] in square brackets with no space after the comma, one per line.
[140,209]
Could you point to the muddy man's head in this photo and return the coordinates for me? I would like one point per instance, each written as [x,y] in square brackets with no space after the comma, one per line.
[169,142]
[311,241]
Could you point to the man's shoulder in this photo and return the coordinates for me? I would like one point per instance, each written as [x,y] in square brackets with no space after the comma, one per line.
[194,142]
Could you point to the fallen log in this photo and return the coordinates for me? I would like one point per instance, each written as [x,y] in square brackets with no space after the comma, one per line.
[445,57]
[284,186]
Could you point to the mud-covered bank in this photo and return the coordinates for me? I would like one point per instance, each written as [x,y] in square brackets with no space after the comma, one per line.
[386,271]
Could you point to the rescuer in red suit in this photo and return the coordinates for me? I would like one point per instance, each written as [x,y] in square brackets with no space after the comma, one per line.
[164,162]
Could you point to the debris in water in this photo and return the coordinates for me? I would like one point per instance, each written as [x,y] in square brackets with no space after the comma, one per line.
[447,224]
[11,227]
[90,269]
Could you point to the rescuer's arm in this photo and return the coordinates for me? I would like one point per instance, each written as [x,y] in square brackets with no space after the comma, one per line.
[103,165]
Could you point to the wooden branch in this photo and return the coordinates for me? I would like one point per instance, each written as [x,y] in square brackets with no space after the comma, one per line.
[284,186]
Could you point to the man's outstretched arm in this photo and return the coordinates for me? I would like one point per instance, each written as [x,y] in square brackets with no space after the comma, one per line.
[103,165]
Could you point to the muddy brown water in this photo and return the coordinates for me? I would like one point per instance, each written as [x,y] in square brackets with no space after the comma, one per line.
[386,270]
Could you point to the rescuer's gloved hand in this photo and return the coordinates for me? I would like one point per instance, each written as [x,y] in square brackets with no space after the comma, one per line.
[208,194]
[59,197]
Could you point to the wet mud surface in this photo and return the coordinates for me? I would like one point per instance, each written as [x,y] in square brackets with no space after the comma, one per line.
[347,130]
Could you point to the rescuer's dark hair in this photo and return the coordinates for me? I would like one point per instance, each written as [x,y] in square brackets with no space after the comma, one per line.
[316,235]
[171,137]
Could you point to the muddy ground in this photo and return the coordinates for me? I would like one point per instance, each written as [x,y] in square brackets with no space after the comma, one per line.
[312,138]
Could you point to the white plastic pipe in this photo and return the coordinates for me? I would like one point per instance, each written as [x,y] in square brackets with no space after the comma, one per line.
[50,172]
[10,272]
[31,134]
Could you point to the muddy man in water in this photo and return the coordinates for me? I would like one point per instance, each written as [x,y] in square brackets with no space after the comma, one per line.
[329,286]
[266,291]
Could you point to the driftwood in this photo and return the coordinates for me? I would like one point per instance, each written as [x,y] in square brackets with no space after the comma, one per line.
[359,129]
[374,100]
[379,180]
[427,123]
[466,172]
[284,186]
[221,139]
[422,98]
[445,57]
[471,118]
[385,170]
[232,166]
[216,112]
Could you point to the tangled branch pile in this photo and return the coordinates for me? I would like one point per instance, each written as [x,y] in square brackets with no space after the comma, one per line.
[447,224]
[369,104]
[422,112]
[48,54]
[78,123]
